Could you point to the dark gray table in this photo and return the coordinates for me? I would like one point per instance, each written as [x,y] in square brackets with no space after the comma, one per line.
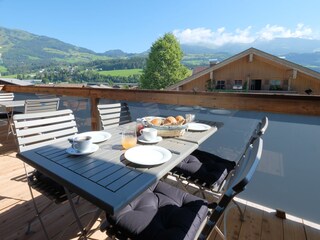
[105,177]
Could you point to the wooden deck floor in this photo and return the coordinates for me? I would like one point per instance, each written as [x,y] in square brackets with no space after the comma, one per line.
[16,211]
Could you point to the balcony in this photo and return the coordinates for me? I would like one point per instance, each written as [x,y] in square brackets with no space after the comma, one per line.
[287,177]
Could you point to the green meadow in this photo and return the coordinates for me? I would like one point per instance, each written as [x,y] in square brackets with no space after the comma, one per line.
[122,73]
[2,69]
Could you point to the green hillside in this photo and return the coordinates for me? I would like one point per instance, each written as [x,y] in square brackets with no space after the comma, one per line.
[22,51]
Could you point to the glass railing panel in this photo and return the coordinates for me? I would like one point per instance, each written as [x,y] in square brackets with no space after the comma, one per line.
[79,105]
[287,177]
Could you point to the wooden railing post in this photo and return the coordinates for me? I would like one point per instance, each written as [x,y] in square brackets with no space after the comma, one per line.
[95,121]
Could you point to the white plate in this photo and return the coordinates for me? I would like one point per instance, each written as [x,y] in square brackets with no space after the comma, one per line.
[156,140]
[198,127]
[199,108]
[148,155]
[220,111]
[183,109]
[72,151]
[97,136]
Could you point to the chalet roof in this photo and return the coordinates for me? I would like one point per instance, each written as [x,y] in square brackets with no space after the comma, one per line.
[240,55]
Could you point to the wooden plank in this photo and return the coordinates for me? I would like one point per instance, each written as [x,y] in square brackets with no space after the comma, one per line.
[234,225]
[44,138]
[24,132]
[312,233]
[95,122]
[251,227]
[35,122]
[6,97]
[272,227]
[293,230]
[113,115]
[40,115]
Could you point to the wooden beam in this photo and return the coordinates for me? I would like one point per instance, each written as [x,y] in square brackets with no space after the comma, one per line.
[251,57]
[266,102]
[95,121]
[294,73]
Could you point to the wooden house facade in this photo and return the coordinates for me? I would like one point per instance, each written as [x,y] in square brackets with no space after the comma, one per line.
[253,70]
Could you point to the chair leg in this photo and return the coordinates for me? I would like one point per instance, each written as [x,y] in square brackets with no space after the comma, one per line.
[29,231]
[78,200]
[38,215]
[225,217]
[220,233]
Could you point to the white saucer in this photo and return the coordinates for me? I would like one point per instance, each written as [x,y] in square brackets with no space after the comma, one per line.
[156,140]
[97,136]
[72,151]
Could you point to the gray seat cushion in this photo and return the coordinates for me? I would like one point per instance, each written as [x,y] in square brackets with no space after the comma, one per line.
[161,212]
[205,167]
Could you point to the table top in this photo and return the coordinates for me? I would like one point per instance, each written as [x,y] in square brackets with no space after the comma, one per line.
[105,177]
[13,103]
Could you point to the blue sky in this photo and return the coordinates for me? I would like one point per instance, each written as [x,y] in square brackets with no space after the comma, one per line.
[133,26]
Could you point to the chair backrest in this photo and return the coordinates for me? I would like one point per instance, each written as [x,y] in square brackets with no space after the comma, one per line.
[260,129]
[40,129]
[113,115]
[263,125]
[237,183]
[41,105]
[6,97]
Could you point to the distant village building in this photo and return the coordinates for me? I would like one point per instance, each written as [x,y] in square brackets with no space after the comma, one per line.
[252,70]
[14,81]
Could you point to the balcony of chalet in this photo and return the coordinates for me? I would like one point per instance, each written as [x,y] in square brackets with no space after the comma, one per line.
[287,178]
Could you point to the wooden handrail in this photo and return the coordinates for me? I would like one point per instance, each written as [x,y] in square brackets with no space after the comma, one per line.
[266,102]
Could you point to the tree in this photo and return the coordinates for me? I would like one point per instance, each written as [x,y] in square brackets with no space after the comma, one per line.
[163,66]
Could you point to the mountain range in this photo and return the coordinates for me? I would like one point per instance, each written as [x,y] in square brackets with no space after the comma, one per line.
[23,49]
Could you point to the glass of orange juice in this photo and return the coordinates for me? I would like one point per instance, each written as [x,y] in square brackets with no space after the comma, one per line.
[129,138]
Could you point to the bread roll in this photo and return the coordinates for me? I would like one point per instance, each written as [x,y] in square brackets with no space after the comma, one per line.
[156,121]
[179,118]
[170,121]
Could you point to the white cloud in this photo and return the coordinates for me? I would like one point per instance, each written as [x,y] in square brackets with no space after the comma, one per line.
[207,37]
[271,32]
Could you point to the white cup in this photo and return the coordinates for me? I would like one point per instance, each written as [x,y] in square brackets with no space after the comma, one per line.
[149,134]
[82,143]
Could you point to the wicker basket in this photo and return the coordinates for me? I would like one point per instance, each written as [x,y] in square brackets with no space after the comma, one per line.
[168,130]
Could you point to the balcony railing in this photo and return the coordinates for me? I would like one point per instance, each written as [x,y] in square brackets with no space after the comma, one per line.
[275,103]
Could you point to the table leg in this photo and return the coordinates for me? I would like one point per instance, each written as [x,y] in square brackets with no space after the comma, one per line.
[10,121]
